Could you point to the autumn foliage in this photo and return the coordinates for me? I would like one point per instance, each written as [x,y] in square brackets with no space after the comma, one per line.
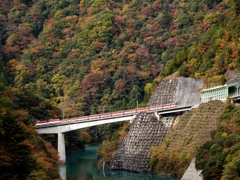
[23,154]
[80,57]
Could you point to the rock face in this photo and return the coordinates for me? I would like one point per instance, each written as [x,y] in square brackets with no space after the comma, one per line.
[147,130]
[182,91]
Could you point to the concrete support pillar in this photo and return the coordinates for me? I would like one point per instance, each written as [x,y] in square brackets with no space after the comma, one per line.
[131,121]
[61,148]
[63,172]
[156,114]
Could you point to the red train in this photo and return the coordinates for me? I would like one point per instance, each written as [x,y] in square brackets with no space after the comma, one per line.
[56,122]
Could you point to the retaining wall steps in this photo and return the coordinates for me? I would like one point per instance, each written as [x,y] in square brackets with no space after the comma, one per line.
[134,152]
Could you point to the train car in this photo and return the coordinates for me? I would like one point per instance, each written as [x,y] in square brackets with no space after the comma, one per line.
[47,123]
[152,108]
[141,110]
[93,117]
[106,115]
[51,123]
[147,108]
[72,120]
[118,113]
[130,112]
[40,124]
[56,122]
[82,118]
[171,105]
[64,121]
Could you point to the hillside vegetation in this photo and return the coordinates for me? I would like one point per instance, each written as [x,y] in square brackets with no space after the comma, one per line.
[79,57]
[211,134]
[220,157]
[183,141]
[103,55]
[23,154]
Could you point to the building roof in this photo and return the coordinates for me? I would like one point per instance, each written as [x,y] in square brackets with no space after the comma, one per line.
[216,87]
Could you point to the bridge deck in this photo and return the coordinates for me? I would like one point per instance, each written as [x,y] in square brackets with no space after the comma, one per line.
[122,115]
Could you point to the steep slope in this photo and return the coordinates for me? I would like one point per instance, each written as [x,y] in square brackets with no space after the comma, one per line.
[182,143]
[89,54]
[148,130]
[145,132]
[219,157]
[23,153]
[182,91]
[217,49]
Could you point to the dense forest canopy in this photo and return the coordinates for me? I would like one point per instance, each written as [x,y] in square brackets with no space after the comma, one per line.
[78,57]
[86,55]
[23,153]
[219,158]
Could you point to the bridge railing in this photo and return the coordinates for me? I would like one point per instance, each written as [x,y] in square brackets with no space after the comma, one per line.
[59,122]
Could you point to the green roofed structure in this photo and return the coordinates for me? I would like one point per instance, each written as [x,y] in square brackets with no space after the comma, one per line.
[231,89]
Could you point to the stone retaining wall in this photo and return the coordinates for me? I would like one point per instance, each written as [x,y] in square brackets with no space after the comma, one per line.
[147,131]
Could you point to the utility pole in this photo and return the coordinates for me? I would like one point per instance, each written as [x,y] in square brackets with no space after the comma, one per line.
[137,104]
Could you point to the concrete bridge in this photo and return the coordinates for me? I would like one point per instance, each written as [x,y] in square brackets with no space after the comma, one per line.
[57,126]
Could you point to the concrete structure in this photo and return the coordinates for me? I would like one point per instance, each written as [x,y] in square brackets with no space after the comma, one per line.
[99,120]
[191,172]
[145,132]
[60,130]
[182,91]
[230,89]
[150,129]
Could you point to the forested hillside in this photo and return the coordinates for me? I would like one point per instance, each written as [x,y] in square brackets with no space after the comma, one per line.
[184,140]
[78,57]
[23,153]
[219,158]
[103,55]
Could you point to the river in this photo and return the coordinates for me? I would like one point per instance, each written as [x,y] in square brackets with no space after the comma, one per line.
[83,166]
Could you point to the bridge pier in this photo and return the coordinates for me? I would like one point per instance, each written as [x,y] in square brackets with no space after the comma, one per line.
[61,148]
[51,128]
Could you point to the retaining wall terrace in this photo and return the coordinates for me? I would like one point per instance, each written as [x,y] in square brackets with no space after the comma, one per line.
[147,130]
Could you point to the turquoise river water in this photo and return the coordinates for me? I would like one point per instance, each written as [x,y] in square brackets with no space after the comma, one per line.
[83,166]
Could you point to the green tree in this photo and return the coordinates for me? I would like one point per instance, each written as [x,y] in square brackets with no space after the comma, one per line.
[148,91]
[219,158]
[60,83]
[16,161]
[135,97]
[236,6]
